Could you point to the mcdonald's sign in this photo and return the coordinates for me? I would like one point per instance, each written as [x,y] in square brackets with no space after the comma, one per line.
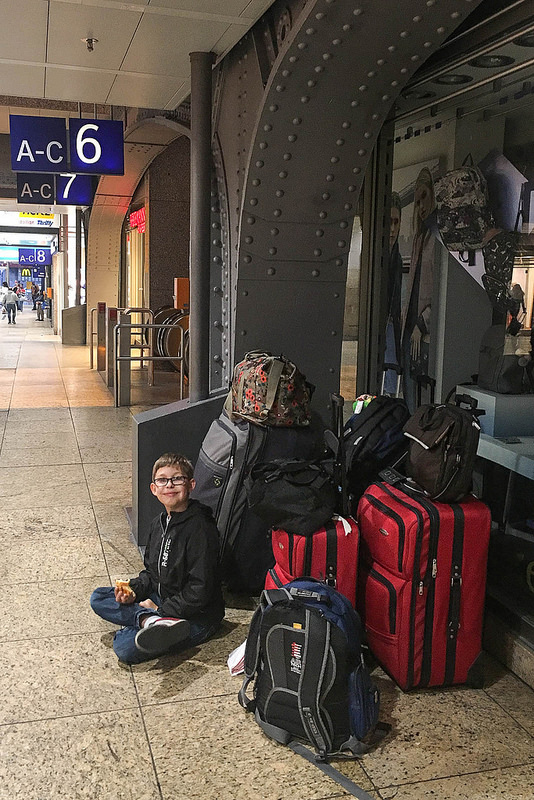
[25,273]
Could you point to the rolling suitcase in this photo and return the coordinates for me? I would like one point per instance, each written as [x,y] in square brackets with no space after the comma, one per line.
[329,555]
[422,585]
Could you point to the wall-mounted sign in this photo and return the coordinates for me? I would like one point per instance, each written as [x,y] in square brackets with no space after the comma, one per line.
[32,256]
[38,144]
[75,190]
[138,220]
[96,146]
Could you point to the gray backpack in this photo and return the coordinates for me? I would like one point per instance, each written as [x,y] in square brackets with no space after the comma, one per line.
[463,213]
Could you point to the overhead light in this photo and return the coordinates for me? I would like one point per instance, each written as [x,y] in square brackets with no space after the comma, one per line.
[414,94]
[491,61]
[452,79]
[90,42]
[527,40]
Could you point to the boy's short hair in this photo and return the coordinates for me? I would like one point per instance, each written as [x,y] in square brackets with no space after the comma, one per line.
[173,460]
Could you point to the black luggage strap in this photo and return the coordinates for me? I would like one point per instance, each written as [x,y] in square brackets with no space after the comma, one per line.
[315,661]
[330,771]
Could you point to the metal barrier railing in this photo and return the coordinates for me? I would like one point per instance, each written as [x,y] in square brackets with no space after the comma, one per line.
[92,333]
[122,346]
[149,345]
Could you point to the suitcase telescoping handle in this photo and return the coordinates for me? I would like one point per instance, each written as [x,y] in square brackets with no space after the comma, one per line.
[340,470]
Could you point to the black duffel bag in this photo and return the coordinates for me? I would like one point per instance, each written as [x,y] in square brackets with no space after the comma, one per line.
[292,495]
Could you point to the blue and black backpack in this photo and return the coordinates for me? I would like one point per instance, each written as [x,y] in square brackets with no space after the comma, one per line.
[305,657]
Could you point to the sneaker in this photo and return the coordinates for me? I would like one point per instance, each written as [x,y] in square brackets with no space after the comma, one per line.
[162,634]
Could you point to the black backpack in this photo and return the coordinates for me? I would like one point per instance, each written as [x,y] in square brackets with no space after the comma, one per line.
[443,441]
[304,655]
[373,439]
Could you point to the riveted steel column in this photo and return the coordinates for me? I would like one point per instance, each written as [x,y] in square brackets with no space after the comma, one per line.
[199,269]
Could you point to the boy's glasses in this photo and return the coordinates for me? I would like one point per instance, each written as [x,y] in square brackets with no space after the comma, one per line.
[176,480]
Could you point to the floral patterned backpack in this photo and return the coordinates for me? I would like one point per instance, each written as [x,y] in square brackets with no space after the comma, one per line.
[269,390]
[462,208]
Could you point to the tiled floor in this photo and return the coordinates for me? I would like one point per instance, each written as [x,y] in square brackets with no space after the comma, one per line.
[74,723]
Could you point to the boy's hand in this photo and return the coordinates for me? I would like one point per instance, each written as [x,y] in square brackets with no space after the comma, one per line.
[149,604]
[123,593]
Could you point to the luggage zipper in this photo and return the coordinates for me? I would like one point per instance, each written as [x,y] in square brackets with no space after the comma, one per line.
[455,596]
[230,467]
[418,583]
[392,597]
[251,433]
[394,516]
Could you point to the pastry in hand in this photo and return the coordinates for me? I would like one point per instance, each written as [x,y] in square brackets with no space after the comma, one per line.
[124,586]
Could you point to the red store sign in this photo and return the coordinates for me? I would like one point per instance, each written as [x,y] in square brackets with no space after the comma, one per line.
[138,220]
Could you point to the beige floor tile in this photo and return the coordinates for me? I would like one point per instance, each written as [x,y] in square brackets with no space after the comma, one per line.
[443,733]
[19,457]
[218,751]
[51,560]
[88,757]
[63,609]
[38,376]
[515,697]
[112,521]
[60,676]
[196,673]
[62,485]
[514,783]
[123,558]
[47,418]
[47,523]
[37,438]
[110,482]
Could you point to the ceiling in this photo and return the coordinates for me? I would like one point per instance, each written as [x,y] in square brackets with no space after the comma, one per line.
[140,58]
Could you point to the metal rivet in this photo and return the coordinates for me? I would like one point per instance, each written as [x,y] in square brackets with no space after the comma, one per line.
[357,12]
[347,206]
[362,88]
[315,272]
[357,170]
[392,48]
[327,56]
[244,293]
[334,159]
[325,196]
[280,88]
[323,214]
[286,73]
[404,70]
[279,192]
[345,125]
[217,260]
[247,259]
[347,27]
[271,271]
[417,18]
[310,31]
[282,174]
[343,224]
[292,137]
[441,29]
[333,333]
[267,128]
[394,83]
[272,251]
[259,164]
[415,57]
[430,3]
[320,15]
[330,177]
[256,182]
[297,121]
[385,97]
[355,103]
[311,84]
[336,294]
[341,243]
[302,45]
[318,68]
[273,108]
[427,44]
[249,239]
[404,34]
[305,99]
[337,42]
[293,59]
[317,252]
[243,333]
[339,262]
[455,15]
[371,74]
[340,142]
[361,152]
[287,156]
[263,145]
[352,188]
[319,232]
[253,201]
[251,220]
[277,212]
[274,231]
[380,62]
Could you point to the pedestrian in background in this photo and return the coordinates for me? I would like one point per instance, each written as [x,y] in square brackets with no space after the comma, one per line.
[10,302]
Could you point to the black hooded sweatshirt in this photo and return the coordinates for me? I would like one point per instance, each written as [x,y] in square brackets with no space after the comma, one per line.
[182,566]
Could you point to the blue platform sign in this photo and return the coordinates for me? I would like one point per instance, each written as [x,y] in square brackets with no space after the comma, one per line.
[35,188]
[38,144]
[96,146]
[75,190]
[35,256]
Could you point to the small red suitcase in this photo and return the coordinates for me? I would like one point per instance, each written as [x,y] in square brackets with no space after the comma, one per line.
[330,555]
[422,584]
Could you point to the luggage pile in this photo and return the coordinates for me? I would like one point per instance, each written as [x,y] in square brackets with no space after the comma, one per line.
[348,552]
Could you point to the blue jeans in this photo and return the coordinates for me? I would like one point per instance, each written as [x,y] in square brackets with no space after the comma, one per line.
[11,309]
[104,604]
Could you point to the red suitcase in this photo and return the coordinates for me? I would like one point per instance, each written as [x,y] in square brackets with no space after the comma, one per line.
[422,585]
[330,555]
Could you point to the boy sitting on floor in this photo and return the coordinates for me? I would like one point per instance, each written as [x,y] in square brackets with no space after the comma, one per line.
[176,602]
